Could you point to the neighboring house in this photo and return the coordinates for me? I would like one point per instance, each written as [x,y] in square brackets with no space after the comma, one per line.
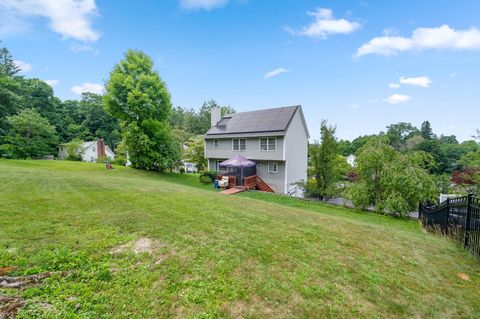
[92,151]
[276,139]
[352,160]
[188,166]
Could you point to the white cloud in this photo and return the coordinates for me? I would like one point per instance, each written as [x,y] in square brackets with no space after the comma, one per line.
[397,98]
[394,85]
[324,25]
[422,81]
[52,83]
[24,66]
[274,73]
[354,106]
[70,18]
[202,4]
[88,87]
[442,37]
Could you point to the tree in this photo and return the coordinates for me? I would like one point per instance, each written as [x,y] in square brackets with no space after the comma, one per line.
[30,136]
[11,101]
[393,182]
[135,92]
[426,131]
[139,99]
[325,162]
[197,123]
[195,152]
[399,133]
[7,65]
[75,150]
[357,143]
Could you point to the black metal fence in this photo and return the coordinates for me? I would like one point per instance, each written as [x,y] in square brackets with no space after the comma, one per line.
[456,217]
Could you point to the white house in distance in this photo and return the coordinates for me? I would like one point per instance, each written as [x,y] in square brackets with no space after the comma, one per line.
[92,151]
[275,139]
[352,160]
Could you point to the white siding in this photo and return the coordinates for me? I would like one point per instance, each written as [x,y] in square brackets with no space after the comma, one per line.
[296,153]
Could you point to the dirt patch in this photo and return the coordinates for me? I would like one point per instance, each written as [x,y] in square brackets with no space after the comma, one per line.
[138,246]
[9,306]
[6,270]
[463,276]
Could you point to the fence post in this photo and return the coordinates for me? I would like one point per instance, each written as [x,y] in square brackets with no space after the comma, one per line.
[467,219]
[446,215]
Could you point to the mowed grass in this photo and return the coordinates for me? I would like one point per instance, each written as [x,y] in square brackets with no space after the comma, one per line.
[215,256]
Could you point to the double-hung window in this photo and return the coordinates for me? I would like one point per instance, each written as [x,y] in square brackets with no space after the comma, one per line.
[215,143]
[268,144]
[272,167]
[239,144]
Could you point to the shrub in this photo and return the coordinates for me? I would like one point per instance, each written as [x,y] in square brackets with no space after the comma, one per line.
[205,179]
[181,170]
[208,177]
[74,150]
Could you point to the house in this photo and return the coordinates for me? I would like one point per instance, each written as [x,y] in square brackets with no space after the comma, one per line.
[188,166]
[275,139]
[352,160]
[91,151]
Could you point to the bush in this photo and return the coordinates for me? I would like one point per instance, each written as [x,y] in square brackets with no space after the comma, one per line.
[74,150]
[181,170]
[208,177]
[205,179]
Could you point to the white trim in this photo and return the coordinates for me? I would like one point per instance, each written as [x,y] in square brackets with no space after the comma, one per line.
[268,167]
[239,145]
[268,144]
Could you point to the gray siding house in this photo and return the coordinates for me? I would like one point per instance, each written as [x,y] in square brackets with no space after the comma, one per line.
[276,139]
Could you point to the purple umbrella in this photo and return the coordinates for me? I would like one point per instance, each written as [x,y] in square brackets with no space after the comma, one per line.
[237,161]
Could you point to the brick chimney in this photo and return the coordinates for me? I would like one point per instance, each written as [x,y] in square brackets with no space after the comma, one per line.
[101,148]
[215,116]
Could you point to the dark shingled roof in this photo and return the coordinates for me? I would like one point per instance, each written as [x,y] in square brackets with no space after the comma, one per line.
[269,120]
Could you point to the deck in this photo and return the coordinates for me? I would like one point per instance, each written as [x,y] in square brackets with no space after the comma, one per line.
[250,182]
[232,191]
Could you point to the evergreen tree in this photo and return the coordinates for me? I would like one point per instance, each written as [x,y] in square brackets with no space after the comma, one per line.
[426,131]
[7,65]
[325,161]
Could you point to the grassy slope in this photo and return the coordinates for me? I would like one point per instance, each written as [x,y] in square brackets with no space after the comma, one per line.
[216,255]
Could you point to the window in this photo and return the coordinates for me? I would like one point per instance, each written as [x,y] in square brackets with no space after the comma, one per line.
[215,143]
[216,165]
[240,144]
[272,167]
[268,144]
[93,148]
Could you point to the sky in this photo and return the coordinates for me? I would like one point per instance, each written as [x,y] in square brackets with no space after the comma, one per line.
[360,64]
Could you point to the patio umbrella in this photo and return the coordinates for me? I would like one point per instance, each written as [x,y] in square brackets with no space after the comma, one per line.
[237,161]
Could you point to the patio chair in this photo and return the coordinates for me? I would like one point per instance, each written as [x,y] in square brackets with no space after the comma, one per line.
[223,182]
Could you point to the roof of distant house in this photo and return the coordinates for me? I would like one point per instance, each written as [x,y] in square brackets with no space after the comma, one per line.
[262,121]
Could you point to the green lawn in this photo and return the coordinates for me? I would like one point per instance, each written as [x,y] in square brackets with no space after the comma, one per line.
[215,256]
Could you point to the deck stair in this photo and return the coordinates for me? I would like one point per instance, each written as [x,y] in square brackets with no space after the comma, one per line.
[261,185]
[233,190]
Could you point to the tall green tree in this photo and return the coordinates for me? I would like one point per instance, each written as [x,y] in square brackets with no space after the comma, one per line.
[325,162]
[392,182]
[426,131]
[7,65]
[399,133]
[139,99]
[30,136]
[11,101]
[195,152]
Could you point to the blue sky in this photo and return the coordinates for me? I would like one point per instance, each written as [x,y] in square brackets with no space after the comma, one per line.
[361,64]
